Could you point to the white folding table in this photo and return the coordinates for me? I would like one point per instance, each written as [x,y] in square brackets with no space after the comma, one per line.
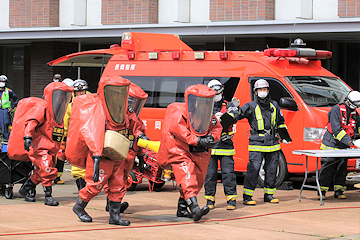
[341,153]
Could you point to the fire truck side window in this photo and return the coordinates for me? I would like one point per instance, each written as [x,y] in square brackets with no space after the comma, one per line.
[165,90]
[277,90]
[168,89]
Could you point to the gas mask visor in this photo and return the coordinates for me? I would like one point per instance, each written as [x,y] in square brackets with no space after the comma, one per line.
[136,104]
[60,100]
[115,98]
[200,112]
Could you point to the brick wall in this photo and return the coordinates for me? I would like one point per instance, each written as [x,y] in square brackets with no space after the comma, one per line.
[349,8]
[34,13]
[129,11]
[41,74]
[227,10]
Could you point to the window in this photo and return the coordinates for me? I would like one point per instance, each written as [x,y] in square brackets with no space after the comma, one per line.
[277,90]
[165,90]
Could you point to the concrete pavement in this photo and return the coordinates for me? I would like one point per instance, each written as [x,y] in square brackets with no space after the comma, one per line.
[152,216]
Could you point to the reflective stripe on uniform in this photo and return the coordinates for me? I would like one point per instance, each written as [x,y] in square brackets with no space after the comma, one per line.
[324,189]
[269,190]
[231,197]
[258,148]
[226,152]
[340,135]
[282,126]
[248,192]
[324,147]
[339,187]
[260,119]
[211,198]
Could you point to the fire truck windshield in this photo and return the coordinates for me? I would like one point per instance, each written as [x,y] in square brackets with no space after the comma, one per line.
[320,91]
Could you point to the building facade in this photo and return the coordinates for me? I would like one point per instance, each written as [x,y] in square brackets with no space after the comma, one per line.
[34,32]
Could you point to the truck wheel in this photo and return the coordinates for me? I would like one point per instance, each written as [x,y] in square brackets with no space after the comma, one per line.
[281,175]
[133,185]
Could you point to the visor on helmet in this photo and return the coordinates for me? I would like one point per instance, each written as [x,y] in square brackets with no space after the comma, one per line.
[200,112]
[115,98]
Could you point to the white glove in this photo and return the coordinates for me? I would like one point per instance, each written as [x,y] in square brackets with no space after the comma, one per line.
[286,142]
[357,143]
[235,101]
[218,116]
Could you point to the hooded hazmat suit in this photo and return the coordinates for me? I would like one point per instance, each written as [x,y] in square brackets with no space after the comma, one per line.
[92,114]
[186,128]
[40,123]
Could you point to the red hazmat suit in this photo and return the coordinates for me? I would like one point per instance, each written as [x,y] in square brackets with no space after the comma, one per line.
[42,121]
[136,100]
[92,114]
[183,124]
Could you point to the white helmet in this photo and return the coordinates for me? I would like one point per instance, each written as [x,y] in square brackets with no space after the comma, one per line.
[216,85]
[261,83]
[3,78]
[80,84]
[69,82]
[354,99]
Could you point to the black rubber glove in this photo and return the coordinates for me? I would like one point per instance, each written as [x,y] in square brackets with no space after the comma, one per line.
[96,160]
[206,141]
[27,143]
[143,136]
[141,163]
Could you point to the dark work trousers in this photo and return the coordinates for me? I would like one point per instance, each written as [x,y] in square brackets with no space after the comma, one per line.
[227,172]
[270,167]
[333,169]
[5,121]
[60,166]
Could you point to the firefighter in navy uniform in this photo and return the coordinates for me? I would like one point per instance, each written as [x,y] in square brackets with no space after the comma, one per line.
[264,116]
[343,120]
[223,151]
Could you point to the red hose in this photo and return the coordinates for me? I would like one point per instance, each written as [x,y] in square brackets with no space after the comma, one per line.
[174,224]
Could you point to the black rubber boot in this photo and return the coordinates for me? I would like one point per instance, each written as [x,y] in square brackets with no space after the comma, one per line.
[48,198]
[195,209]
[270,198]
[123,207]
[107,204]
[79,210]
[80,183]
[182,210]
[248,200]
[27,189]
[114,212]
[339,194]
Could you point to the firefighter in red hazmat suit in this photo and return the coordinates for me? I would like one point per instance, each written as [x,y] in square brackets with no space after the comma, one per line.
[136,101]
[36,135]
[190,129]
[91,116]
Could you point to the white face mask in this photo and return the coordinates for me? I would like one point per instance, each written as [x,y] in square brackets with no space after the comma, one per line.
[55,80]
[262,95]
[218,98]
[2,84]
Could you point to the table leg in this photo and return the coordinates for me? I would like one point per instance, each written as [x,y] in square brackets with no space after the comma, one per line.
[317,180]
[306,173]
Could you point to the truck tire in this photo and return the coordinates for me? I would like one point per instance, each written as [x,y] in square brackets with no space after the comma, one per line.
[133,185]
[281,175]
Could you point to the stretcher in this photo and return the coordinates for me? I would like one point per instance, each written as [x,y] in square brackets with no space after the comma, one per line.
[153,173]
[11,173]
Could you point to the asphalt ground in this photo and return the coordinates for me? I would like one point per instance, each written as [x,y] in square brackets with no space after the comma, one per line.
[152,216]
